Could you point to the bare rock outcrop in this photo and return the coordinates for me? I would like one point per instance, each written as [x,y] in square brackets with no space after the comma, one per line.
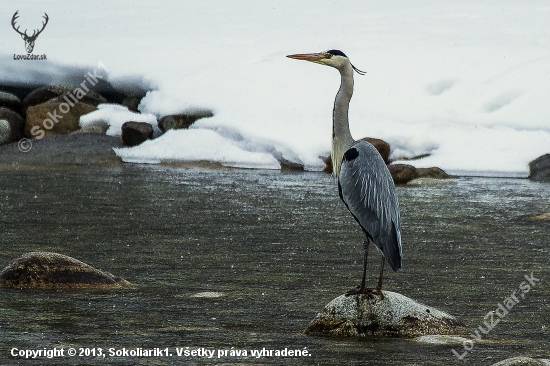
[539,169]
[394,316]
[45,270]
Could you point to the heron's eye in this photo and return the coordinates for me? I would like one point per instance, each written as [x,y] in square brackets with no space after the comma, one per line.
[328,55]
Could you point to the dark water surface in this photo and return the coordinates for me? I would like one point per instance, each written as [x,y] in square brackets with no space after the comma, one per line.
[279,246]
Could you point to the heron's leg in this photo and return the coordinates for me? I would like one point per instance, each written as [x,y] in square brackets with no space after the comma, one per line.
[362,288]
[379,287]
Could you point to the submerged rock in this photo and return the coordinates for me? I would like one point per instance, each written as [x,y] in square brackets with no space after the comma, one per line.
[394,316]
[442,339]
[539,169]
[46,270]
[208,295]
[522,361]
[541,217]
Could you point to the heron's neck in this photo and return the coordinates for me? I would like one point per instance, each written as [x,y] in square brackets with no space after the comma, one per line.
[341,136]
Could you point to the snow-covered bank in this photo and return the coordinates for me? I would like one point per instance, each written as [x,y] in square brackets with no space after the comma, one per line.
[466,82]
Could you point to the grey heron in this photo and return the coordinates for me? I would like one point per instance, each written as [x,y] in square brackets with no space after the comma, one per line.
[364,181]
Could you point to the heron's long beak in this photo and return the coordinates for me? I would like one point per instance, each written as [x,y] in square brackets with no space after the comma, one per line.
[313,57]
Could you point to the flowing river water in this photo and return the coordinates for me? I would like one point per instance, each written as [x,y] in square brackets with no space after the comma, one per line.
[276,247]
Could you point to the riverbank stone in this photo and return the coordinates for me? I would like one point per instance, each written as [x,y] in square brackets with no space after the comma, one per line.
[10,101]
[45,270]
[402,173]
[54,118]
[56,93]
[134,133]
[394,316]
[433,172]
[11,126]
[181,121]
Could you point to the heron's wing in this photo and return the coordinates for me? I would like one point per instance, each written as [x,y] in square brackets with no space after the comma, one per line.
[366,187]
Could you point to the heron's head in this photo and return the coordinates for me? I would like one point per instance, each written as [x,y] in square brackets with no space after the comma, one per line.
[334,58]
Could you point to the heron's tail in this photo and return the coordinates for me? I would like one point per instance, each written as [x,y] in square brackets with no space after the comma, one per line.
[392,249]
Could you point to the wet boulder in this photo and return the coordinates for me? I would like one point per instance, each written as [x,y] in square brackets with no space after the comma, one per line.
[46,270]
[134,133]
[54,118]
[402,173]
[10,101]
[62,94]
[522,361]
[11,126]
[394,316]
[539,169]
[181,121]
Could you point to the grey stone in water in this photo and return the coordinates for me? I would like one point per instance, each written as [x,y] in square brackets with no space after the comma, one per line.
[522,361]
[394,316]
[539,169]
[46,270]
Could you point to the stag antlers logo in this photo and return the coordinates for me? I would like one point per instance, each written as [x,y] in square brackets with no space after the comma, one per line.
[29,39]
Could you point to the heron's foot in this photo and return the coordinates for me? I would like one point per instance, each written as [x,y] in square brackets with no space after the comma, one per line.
[367,291]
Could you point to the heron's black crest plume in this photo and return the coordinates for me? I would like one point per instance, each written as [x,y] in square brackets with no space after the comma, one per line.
[358,71]
[340,53]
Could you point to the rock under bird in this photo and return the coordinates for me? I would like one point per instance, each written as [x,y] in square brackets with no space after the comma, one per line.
[364,181]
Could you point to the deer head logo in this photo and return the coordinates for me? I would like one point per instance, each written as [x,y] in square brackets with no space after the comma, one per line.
[29,40]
